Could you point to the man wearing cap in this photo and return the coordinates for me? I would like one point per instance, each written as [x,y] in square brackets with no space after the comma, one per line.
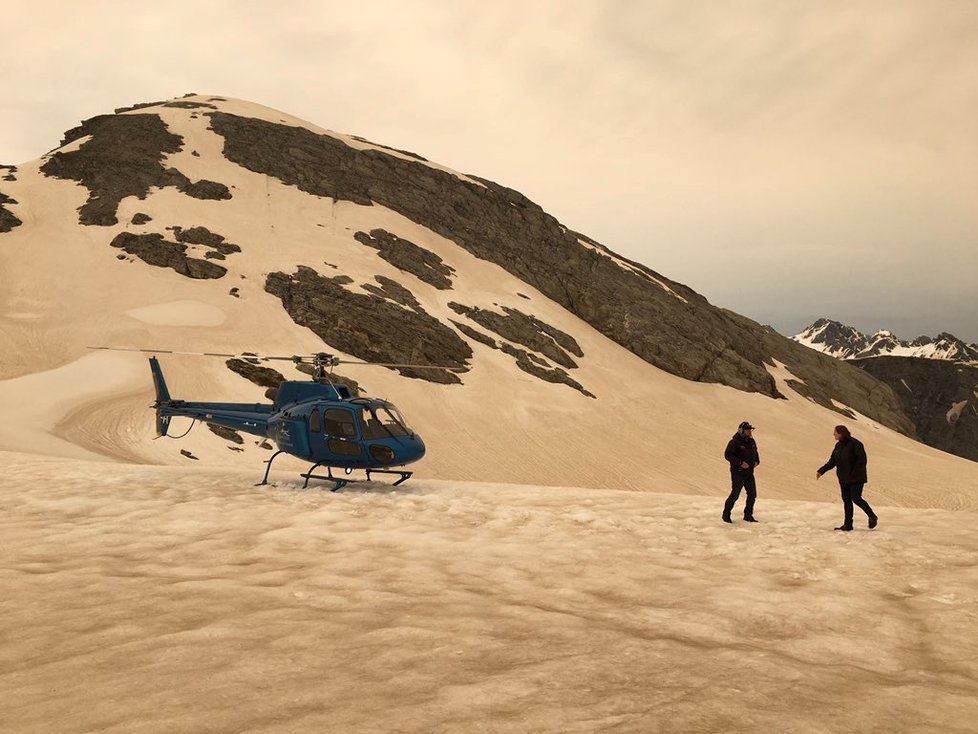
[742,455]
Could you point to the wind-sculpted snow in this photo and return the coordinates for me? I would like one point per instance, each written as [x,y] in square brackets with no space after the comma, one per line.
[663,322]
[123,157]
[161,599]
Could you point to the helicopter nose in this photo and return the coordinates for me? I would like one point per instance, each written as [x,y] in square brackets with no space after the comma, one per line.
[413,447]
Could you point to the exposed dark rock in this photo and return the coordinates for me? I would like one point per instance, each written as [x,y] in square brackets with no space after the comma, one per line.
[123,158]
[189,105]
[234,292]
[940,397]
[228,434]
[140,218]
[526,362]
[202,189]
[189,455]
[477,335]
[663,322]
[203,236]
[387,147]
[154,250]
[342,279]
[261,376]
[7,219]
[368,326]
[526,330]
[11,174]
[409,257]
[393,290]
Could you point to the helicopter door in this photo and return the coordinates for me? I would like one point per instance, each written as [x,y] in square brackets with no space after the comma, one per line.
[341,432]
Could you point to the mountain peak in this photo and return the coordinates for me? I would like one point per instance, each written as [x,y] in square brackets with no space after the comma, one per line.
[846,342]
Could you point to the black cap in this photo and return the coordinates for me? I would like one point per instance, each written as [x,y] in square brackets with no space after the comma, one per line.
[745,426]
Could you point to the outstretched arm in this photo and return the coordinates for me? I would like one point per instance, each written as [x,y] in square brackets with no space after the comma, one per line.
[830,464]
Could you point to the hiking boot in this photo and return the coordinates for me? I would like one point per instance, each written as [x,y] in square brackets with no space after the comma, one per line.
[872,521]
[844,527]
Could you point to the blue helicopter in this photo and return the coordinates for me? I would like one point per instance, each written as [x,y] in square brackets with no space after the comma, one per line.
[318,421]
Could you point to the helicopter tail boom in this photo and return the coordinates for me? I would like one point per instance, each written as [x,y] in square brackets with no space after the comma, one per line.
[162,396]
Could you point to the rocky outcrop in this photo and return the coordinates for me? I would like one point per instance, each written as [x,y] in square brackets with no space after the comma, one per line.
[529,362]
[662,321]
[218,246]
[153,249]
[389,289]
[369,326]
[124,157]
[270,379]
[409,257]
[228,434]
[529,331]
[7,219]
[940,397]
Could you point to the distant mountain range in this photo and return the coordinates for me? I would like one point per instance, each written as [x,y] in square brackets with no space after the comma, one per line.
[845,342]
[936,378]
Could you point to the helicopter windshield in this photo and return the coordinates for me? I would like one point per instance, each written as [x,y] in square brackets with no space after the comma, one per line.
[383,422]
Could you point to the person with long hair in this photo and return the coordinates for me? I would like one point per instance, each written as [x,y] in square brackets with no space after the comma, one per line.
[849,461]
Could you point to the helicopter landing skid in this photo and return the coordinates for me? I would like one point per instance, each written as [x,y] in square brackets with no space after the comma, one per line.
[340,482]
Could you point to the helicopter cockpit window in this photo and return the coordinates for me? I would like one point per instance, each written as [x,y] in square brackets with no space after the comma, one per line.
[340,423]
[315,421]
[383,423]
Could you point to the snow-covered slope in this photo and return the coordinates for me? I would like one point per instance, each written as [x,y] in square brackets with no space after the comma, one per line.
[211,255]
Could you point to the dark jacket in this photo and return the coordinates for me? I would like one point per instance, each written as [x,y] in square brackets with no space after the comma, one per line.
[742,449]
[849,460]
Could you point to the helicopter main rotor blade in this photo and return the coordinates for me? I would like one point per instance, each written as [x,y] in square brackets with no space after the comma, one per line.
[314,359]
[168,351]
[411,366]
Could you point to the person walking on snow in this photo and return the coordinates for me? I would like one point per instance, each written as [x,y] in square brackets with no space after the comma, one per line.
[742,455]
[849,460]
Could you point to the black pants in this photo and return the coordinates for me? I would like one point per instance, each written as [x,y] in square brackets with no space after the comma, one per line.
[852,494]
[738,482]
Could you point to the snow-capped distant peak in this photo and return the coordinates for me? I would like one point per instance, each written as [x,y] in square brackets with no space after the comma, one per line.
[845,342]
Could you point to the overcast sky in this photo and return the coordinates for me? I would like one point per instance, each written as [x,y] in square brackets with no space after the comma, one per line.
[787,159]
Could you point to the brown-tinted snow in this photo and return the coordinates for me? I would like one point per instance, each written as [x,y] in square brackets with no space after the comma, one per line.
[161,599]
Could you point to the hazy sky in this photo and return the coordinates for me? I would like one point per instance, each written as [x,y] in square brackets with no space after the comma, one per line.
[787,159]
